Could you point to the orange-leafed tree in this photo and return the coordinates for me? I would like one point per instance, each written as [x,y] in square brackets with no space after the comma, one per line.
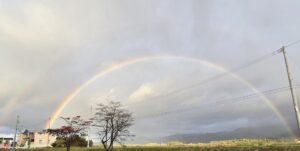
[75,126]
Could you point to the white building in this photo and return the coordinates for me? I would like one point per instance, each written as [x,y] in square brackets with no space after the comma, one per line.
[36,139]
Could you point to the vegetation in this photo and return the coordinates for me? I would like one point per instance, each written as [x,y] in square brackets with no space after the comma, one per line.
[76,141]
[229,145]
[175,143]
[67,134]
[112,123]
[261,148]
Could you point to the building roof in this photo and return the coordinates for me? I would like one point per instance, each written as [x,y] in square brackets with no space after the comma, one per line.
[6,138]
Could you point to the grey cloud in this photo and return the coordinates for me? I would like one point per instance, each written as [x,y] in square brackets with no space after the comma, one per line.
[48,48]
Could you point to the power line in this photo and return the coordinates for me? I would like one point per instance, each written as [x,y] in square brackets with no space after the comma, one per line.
[292,43]
[238,99]
[255,61]
[222,101]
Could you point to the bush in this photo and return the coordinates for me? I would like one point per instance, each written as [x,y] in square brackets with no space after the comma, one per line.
[59,143]
[76,141]
[175,143]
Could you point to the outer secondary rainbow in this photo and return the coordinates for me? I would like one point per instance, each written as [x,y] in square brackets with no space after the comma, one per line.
[65,101]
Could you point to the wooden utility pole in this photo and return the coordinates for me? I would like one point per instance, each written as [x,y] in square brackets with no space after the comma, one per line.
[293,93]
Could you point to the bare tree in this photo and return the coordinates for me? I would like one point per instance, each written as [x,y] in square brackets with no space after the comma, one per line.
[112,122]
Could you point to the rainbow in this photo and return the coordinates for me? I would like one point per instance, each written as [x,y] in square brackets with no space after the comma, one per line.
[13,102]
[65,101]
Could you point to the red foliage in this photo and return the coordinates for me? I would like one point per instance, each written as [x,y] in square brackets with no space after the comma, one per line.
[75,126]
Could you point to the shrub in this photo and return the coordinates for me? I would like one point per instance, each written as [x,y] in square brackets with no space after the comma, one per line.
[175,143]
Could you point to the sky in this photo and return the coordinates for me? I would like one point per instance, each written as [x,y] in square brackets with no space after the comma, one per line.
[50,47]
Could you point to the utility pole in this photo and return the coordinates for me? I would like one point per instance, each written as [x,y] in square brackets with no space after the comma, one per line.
[48,133]
[88,137]
[293,93]
[15,136]
[88,131]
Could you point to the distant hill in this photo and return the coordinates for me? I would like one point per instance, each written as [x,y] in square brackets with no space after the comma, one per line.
[249,132]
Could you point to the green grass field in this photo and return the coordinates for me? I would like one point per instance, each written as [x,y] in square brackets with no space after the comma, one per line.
[228,145]
[220,148]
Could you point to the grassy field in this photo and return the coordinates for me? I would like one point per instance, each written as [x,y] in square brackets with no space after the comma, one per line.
[220,148]
[229,145]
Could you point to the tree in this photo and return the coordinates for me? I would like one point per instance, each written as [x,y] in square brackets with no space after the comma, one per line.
[75,126]
[76,141]
[112,123]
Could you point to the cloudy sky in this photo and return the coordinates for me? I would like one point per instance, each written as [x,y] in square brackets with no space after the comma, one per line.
[50,47]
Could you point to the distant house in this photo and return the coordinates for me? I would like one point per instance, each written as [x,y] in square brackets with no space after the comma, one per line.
[25,139]
[36,139]
[6,142]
